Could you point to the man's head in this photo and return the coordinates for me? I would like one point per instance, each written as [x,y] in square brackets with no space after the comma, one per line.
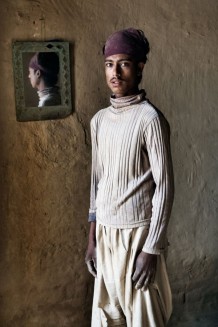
[125,54]
[44,67]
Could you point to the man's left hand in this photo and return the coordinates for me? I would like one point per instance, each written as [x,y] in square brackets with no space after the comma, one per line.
[145,268]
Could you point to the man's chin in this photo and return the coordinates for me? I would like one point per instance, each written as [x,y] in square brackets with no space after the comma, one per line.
[118,92]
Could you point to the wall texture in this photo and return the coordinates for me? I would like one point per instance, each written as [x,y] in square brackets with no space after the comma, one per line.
[45,166]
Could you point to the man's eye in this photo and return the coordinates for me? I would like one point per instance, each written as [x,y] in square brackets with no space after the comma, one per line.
[124,64]
[108,64]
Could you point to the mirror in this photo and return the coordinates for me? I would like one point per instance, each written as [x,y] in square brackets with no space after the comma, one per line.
[42,80]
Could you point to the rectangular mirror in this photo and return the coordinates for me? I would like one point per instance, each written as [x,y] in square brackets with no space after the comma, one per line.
[42,80]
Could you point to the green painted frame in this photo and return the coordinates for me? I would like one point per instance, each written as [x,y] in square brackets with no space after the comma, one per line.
[31,113]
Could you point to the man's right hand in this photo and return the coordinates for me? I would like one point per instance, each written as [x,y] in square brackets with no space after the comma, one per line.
[91,259]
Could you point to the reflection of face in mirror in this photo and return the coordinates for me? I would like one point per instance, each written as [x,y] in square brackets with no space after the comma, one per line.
[43,76]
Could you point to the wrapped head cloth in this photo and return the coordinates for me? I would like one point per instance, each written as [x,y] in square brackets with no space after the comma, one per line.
[46,62]
[129,41]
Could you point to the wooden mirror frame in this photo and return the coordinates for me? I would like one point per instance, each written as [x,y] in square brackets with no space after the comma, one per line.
[32,113]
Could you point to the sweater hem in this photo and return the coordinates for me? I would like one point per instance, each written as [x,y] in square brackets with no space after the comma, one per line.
[126,225]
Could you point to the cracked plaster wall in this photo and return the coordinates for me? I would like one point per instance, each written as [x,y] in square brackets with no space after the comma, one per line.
[45,166]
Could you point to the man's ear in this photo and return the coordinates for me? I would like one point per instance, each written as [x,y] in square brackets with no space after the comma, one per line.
[38,73]
[140,67]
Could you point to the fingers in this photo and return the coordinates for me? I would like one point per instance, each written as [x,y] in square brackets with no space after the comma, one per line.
[95,263]
[145,286]
[136,276]
[92,267]
[91,260]
[142,280]
[145,268]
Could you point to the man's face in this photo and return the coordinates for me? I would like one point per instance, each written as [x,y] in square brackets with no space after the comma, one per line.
[121,75]
[33,76]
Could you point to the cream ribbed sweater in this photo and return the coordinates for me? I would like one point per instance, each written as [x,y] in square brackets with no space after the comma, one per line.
[132,176]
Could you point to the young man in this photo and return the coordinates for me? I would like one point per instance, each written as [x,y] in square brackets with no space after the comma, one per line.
[131,195]
[43,75]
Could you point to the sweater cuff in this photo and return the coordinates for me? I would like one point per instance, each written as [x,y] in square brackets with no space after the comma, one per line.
[92,217]
[152,251]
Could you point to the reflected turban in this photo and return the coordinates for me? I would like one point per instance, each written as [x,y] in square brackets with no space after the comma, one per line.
[129,41]
[47,62]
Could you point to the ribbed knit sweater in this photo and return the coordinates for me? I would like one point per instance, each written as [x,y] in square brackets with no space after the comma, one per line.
[132,175]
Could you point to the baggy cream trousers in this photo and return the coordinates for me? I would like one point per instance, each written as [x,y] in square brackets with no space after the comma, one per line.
[116,302]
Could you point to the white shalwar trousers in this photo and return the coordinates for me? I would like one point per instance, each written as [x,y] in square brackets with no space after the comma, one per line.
[116,302]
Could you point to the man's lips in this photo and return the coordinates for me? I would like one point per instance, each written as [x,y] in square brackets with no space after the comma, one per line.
[116,81]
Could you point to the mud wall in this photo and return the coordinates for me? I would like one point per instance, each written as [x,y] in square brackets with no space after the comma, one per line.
[45,166]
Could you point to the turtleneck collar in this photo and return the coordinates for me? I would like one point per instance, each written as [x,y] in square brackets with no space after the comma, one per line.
[47,91]
[119,103]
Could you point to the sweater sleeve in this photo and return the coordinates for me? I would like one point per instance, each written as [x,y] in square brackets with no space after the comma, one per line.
[157,137]
[94,173]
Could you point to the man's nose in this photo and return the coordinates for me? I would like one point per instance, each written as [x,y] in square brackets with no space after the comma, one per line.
[116,70]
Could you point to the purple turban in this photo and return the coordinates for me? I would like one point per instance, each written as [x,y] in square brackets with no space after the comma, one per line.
[130,41]
[47,62]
